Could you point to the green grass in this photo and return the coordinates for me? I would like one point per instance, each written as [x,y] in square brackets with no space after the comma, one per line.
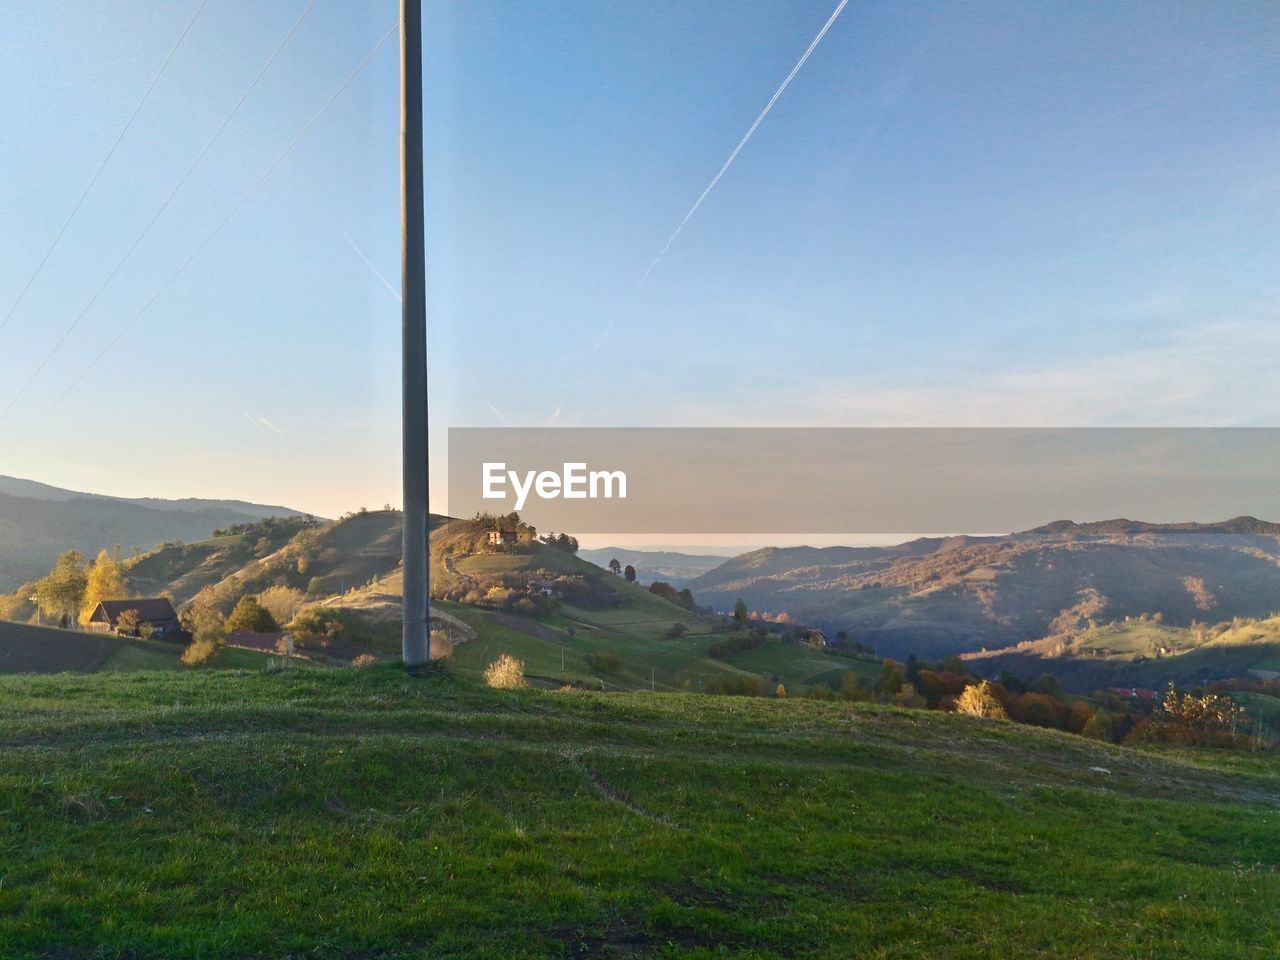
[343,814]
[28,649]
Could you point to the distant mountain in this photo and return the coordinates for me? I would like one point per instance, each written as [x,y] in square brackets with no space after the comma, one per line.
[674,568]
[15,487]
[37,522]
[939,596]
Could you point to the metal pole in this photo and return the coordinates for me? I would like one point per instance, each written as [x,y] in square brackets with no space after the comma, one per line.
[413,280]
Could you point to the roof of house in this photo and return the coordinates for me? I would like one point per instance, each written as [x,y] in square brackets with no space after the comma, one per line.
[150,609]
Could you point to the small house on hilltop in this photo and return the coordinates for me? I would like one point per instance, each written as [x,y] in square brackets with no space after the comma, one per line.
[502,538]
[155,613]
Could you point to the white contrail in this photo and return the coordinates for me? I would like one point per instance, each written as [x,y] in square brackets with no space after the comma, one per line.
[369,263]
[743,142]
[495,412]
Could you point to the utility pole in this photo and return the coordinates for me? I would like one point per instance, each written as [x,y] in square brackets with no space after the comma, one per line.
[415,641]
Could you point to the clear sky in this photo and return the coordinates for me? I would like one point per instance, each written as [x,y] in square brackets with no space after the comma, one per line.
[989,213]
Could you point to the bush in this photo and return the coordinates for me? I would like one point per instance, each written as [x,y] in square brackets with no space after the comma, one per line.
[604,662]
[441,645]
[676,631]
[820,692]
[364,660]
[200,652]
[250,615]
[734,686]
[977,700]
[505,673]
[735,644]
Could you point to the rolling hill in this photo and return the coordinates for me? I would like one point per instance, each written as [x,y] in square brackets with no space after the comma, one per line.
[37,522]
[935,597]
[601,631]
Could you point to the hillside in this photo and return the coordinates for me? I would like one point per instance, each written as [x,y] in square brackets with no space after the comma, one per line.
[28,649]
[37,522]
[1142,653]
[363,813]
[934,597]
[599,631]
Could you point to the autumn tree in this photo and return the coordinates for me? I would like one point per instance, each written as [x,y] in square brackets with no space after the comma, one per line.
[105,580]
[977,700]
[250,615]
[61,593]
[208,631]
[283,603]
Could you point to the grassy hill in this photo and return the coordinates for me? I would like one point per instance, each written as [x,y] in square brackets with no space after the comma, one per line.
[340,814]
[28,649]
[351,566]
[934,597]
[37,522]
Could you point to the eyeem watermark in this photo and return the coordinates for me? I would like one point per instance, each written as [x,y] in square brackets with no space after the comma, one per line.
[575,482]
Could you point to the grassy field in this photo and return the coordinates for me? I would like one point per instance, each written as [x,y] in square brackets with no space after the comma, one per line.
[363,813]
[28,649]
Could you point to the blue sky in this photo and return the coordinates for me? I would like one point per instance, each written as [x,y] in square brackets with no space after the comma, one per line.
[979,214]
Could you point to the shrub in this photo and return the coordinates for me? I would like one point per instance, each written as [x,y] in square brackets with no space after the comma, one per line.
[735,644]
[850,689]
[505,673]
[734,686]
[781,692]
[364,660]
[1098,727]
[200,652]
[441,645]
[977,700]
[676,631]
[820,692]
[605,662]
[250,615]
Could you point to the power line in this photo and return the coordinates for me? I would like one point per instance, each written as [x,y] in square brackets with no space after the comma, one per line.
[207,240]
[102,166]
[156,216]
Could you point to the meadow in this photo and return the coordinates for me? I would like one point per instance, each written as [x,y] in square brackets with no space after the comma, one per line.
[366,813]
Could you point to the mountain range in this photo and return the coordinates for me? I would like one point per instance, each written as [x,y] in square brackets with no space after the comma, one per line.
[938,596]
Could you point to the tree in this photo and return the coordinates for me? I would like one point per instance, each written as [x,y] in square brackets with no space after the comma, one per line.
[630,573]
[740,613]
[104,581]
[1098,727]
[208,630]
[780,692]
[892,679]
[977,700]
[850,689]
[615,567]
[250,615]
[283,603]
[61,593]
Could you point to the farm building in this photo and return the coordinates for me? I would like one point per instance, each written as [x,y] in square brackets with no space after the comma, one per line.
[501,538]
[155,613]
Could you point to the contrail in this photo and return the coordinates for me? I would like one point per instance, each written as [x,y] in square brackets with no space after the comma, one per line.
[369,263]
[743,142]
